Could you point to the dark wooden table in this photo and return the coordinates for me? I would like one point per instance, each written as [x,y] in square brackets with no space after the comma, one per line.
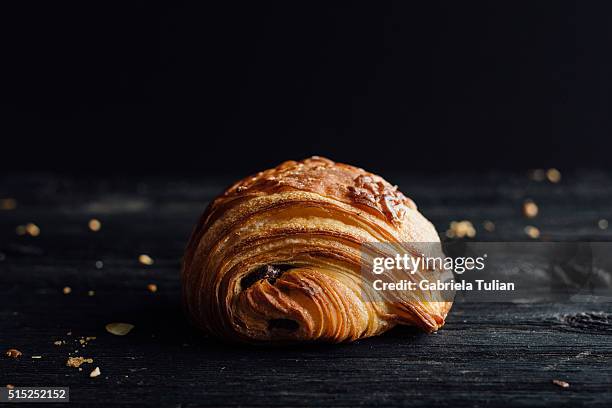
[487,354]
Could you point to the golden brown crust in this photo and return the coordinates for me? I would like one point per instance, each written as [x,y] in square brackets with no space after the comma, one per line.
[277,257]
[322,176]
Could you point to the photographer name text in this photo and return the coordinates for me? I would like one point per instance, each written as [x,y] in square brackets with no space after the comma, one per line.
[460,285]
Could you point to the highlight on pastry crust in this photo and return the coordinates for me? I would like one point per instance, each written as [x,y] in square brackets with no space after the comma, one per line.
[278,257]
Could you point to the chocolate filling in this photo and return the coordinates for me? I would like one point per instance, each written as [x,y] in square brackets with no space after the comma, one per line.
[269,272]
[283,324]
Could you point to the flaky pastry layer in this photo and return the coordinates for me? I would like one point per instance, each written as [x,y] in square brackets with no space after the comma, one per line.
[278,257]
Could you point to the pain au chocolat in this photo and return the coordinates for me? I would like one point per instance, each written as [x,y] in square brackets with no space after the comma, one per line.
[277,257]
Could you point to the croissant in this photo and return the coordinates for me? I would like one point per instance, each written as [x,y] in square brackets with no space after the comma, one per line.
[277,257]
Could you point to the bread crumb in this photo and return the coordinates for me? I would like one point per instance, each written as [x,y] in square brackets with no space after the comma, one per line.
[76,362]
[602,224]
[532,232]
[13,353]
[94,225]
[10,386]
[461,229]
[561,383]
[553,175]
[67,290]
[58,343]
[145,259]
[99,264]
[151,287]
[530,209]
[96,372]
[91,293]
[36,357]
[489,226]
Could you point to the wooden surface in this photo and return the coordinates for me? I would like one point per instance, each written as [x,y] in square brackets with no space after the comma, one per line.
[487,354]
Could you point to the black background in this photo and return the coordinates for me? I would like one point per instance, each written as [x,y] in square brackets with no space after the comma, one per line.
[460,91]
[137,87]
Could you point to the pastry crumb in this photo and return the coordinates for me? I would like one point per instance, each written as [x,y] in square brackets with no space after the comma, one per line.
[537,175]
[151,287]
[36,357]
[8,204]
[532,232]
[145,259]
[83,341]
[94,225]
[561,383]
[91,293]
[10,386]
[99,264]
[67,290]
[96,372]
[553,175]
[76,362]
[119,329]
[32,229]
[59,342]
[13,353]
[489,226]
[530,209]
[602,224]
[29,229]
[461,229]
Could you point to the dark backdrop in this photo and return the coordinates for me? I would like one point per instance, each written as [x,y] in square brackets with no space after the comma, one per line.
[144,87]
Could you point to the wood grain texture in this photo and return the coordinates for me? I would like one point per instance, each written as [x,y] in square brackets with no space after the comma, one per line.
[487,354]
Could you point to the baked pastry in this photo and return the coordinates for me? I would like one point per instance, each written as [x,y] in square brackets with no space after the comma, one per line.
[277,257]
